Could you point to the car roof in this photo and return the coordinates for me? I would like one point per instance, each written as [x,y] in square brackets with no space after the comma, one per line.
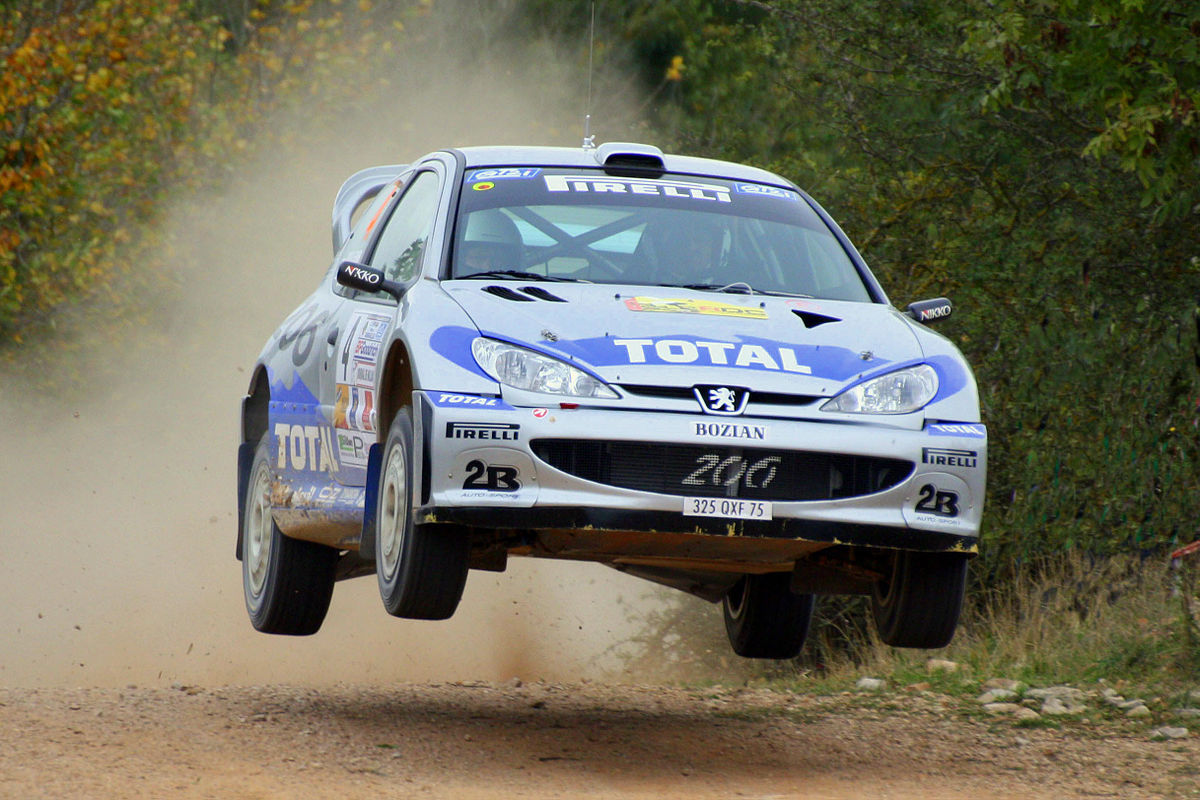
[505,156]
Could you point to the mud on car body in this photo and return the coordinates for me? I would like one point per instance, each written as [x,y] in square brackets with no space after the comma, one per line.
[677,367]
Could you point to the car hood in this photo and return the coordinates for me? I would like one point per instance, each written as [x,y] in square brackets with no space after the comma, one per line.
[657,336]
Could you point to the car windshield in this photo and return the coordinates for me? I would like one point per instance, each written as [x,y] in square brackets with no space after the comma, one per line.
[533,223]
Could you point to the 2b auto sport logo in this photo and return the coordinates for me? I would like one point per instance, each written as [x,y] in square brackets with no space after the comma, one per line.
[491,477]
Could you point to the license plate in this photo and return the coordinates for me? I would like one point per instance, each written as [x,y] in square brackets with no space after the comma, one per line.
[731,507]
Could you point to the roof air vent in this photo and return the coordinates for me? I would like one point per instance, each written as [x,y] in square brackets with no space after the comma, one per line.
[630,160]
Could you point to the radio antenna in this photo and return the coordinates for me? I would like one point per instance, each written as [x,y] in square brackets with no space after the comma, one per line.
[588,138]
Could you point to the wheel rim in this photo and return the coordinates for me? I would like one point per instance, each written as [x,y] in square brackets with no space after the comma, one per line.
[884,590]
[257,537]
[393,510]
[735,598]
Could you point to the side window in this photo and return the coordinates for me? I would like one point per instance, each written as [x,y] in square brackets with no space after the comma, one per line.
[402,243]
[366,216]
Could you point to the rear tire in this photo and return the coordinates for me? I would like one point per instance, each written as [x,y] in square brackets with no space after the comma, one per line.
[765,619]
[421,569]
[287,582]
[918,605]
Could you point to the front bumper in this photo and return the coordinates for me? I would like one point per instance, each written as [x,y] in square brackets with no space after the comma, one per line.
[480,467]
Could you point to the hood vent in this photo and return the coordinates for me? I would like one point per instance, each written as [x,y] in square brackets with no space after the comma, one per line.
[541,294]
[812,319]
[507,293]
[527,294]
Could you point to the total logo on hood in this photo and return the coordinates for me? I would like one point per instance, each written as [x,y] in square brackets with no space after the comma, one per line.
[749,352]
[724,354]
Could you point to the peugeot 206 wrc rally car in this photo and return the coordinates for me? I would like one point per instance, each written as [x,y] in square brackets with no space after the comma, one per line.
[677,367]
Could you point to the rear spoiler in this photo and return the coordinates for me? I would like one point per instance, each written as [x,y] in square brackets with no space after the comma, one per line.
[358,189]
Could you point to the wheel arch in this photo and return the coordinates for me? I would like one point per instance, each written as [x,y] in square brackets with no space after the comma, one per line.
[396,385]
[255,407]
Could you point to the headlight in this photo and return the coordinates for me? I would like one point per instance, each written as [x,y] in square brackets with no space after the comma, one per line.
[899,392]
[524,369]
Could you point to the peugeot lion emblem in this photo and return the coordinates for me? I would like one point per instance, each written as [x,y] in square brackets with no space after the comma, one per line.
[725,400]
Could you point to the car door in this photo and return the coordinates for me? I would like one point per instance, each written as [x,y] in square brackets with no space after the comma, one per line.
[355,345]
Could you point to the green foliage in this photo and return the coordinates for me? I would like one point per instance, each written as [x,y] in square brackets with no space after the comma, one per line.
[989,153]
[1125,73]
[106,105]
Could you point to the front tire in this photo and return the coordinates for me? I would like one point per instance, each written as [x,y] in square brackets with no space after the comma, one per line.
[764,618]
[287,582]
[421,569]
[918,605]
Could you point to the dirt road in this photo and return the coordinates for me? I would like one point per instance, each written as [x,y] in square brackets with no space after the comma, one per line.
[539,740]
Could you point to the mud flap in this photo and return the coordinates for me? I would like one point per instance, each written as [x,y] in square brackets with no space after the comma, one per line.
[366,542]
[245,460]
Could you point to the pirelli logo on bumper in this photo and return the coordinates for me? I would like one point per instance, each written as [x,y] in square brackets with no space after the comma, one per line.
[485,431]
[949,457]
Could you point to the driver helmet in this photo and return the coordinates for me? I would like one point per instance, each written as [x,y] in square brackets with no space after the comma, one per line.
[687,249]
[491,242]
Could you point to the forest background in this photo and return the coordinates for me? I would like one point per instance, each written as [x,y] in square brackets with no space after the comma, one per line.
[1037,162]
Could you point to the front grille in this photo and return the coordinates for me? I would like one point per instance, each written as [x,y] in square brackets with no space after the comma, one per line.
[687,393]
[722,471]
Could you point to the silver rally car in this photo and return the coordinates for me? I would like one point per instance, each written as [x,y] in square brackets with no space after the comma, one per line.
[677,367]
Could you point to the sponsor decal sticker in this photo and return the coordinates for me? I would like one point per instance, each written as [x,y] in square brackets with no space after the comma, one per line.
[452,400]
[939,502]
[729,430]
[505,173]
[366,350]
[949,457]
[491,477]
[360,350]
[765,191]
[717,354]
[506,431]
[600,184]
[540,412]
[683,305]
[354,409]
[304,448]
[971,430]
[352,447]
[483,186]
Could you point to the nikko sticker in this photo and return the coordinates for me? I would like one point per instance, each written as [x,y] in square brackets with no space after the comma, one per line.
[600,184]
[765,191]
[684,305]
[970,430]
[505,174]
[452,400]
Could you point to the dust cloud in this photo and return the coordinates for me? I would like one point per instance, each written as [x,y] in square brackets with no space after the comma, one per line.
[118,513]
